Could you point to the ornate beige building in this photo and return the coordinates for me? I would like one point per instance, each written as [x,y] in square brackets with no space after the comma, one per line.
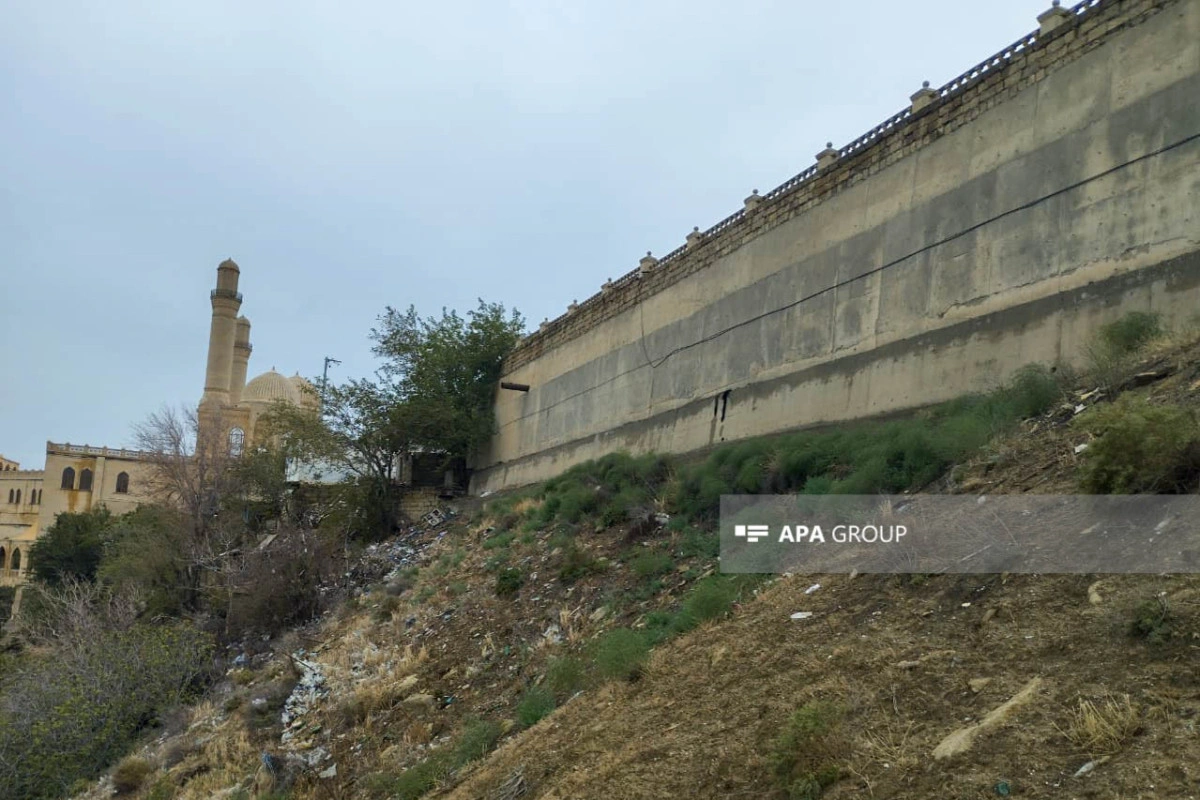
[79,478]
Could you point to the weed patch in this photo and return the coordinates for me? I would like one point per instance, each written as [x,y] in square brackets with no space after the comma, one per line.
[620,654]
[1153,621]
[536,703]
[808,752]
[509,582]
[1140,448]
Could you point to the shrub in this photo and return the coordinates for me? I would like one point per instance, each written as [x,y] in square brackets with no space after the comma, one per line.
[699,543]
[536,703]
[651,564]
[564,677]
[577,564]
[1131,332]
[476,740]
[808,751]
[509,582]
[420,779]
[388,606]
[1140,447]
[1153,621]
[620,654]
[69,714]
[402,581]
[130,774]
[1110,356]
[710,598]
[278,587]
[499,540]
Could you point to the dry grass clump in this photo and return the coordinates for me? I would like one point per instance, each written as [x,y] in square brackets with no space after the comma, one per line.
[889,743]
[1105,726]
[130,774]
[526,505]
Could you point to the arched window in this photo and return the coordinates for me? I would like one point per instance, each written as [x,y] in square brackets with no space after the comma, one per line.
[237,441]
[122,483]
[68,481]
[3,565]
[10,495]
[37,497]
[16,561]
[18,497]
[85,480]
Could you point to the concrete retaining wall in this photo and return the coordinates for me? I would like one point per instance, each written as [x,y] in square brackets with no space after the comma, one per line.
[1001,224]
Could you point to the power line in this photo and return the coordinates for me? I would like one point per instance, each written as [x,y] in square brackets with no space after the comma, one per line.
[655,364]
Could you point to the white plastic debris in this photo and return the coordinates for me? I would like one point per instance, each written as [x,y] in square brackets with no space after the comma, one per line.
[812,588]
[1079,448]
[802,615]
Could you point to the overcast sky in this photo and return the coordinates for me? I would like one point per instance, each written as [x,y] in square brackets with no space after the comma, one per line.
[354,155]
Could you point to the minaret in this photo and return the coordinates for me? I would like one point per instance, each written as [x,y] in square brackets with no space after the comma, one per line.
[225,304]
[241,360]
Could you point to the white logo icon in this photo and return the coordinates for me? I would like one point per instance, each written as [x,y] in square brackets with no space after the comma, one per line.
[752,533]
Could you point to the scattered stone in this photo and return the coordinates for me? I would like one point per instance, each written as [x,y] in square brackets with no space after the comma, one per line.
[961,740]
[812,588]
[977,685]
[908,664]
[328,773]
[420,701]
[1145,378]
[1094,594]
[1079,448]
[802,615]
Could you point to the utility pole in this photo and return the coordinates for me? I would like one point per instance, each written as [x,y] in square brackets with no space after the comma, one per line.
[325,375]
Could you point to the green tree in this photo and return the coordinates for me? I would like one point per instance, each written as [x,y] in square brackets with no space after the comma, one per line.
[151,555]
[432,393]
[447,368]
[72,546]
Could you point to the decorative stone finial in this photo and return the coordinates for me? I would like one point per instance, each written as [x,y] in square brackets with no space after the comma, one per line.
[827,157]
[1051,18]
[606,287]
[695,237]
[752,201]
[545,324]
[922,97]
[647,263]
[571,309]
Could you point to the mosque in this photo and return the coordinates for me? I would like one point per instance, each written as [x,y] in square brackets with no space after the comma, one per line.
[79,478]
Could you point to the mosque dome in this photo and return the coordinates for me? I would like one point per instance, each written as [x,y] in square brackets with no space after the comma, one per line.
[269,387]
[305,391]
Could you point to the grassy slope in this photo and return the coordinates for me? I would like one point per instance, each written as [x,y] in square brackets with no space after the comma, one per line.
[702,719]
